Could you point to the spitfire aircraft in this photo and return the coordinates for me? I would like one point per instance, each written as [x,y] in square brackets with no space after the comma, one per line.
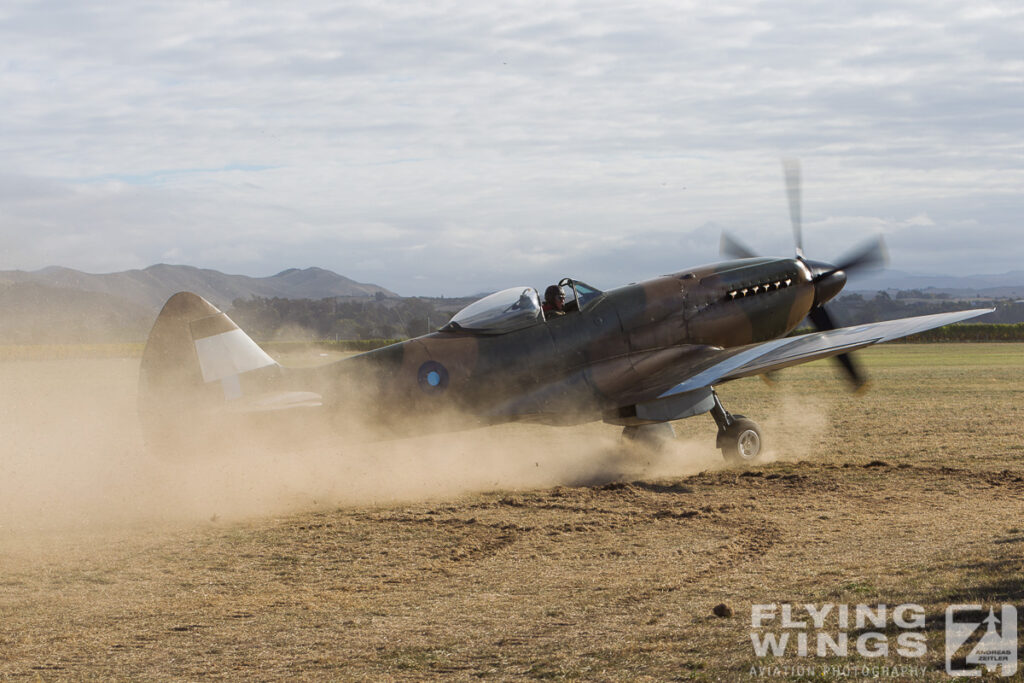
[639,356]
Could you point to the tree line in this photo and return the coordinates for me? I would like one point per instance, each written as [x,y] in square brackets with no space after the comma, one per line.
[971,332]
[857,309]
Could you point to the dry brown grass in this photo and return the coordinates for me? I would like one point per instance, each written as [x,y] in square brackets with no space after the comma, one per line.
[911,493]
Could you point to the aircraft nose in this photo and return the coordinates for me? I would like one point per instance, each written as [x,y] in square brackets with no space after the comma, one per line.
[828,281]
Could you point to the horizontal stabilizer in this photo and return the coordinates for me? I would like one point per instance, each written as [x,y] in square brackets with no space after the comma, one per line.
[283,400]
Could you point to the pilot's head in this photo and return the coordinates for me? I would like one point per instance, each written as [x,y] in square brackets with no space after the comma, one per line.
[554,297]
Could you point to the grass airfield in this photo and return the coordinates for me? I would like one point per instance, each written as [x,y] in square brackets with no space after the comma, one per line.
[512,552]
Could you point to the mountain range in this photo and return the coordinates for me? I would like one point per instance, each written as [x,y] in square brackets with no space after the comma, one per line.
[62,305]
[152,286]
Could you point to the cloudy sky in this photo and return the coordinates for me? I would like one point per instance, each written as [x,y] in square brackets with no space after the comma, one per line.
[454,147]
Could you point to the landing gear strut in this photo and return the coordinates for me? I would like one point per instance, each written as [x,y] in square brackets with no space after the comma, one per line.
[738,437]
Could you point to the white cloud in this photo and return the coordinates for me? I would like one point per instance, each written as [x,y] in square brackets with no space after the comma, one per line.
[504,142]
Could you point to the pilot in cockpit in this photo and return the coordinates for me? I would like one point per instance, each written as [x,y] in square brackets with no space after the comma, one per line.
[554,302]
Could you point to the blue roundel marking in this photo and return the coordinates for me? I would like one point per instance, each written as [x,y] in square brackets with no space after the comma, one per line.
[432,377]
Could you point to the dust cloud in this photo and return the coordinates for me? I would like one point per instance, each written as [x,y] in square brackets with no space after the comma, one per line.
[794,427]
[73,457]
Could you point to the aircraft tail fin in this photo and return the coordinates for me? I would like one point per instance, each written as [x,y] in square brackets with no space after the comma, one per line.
[198,365]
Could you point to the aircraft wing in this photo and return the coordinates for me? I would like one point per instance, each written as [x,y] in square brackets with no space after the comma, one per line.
[756,359]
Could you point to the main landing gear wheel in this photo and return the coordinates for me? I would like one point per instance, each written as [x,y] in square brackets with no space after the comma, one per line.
[741,441]
[739,438]
[652,437]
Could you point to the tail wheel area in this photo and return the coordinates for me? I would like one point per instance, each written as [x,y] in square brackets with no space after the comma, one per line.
[741,442]
[652,437]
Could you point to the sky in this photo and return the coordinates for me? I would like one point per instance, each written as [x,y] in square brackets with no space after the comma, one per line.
[448,148]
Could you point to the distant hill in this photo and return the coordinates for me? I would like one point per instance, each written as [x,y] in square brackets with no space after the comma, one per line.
[62,305]
[154,285]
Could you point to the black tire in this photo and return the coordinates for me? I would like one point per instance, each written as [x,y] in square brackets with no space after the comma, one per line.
[652,437]
[741,442]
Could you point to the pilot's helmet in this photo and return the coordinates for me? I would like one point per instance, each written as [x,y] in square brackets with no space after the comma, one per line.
[553,294]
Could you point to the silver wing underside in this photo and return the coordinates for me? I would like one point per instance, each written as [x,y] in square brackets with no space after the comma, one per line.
[756,359]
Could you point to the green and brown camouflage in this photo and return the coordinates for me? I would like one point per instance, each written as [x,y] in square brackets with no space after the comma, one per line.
[626,345]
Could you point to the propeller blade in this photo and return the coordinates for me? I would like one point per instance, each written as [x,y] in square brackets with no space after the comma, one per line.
[792,171]
[857,379]
[823,321]
[733,248]
[867,255]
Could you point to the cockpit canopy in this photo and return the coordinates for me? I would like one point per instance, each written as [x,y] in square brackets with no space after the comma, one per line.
[515,308]
[501,312]
[579,294]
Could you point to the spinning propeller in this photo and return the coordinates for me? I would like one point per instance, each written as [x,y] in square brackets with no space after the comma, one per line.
[828,279]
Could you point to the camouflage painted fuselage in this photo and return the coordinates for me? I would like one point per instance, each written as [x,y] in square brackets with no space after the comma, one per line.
[625,346]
